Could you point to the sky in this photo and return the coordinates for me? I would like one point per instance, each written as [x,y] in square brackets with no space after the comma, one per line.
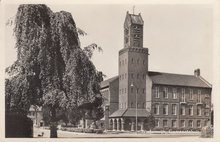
[179,37]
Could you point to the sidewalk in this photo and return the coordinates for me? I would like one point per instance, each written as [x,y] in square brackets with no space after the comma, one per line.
[65,134]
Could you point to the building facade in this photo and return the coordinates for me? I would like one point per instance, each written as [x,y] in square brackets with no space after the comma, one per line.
[175,100]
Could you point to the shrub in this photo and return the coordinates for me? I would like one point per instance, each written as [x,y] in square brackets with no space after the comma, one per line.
[18,125]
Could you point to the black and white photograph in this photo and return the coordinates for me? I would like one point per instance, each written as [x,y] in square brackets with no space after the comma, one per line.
[124,70]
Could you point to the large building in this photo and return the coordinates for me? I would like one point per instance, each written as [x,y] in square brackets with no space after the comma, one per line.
[175,100]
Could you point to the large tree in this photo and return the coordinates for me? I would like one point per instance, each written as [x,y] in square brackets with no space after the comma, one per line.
[51,68]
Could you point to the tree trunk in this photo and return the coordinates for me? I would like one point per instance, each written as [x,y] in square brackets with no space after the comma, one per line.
[53,124]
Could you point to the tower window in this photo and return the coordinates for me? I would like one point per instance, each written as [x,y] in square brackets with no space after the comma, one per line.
[132,60]
[132,75]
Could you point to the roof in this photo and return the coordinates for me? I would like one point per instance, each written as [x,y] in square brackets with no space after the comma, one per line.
[105,83]
[130,112]
[136,19]
[178,79]
[170,79]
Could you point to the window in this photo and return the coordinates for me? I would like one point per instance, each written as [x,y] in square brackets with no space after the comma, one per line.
[174,96]
[137,61]
[191,94]
[198,123]
[143,76]
[190,123]
[132,90]
[157,124]
[138,106]
[132,60]
[125,90]
[143,62]
[207,112]
[183,95]
[206,123]
[132,75]
[156,109]
[143,105]
[174,123]
[199,110]
[191,110]
[199,96]
[183,110]
[174,108]
[182,123]
[137,90]
[156,92]
[165,123]
[165,109]
[137,76]
[125,75]
[165,93]
[131,104]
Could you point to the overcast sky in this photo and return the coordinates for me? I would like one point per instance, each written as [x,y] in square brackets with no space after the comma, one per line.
[179,37]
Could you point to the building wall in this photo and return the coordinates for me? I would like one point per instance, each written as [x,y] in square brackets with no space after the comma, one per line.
[205,105]
[113,92]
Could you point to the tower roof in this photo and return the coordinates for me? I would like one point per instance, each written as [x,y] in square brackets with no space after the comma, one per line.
[134,19]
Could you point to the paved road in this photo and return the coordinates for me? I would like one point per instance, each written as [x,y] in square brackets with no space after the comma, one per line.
[65,134]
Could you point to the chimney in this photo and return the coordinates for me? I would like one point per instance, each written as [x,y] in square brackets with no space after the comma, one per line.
[197,72]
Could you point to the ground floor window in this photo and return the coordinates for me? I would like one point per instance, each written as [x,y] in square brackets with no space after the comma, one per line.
[198,123]
[174,123]
[165,123]
[157,123]
[190,123]
[182,123]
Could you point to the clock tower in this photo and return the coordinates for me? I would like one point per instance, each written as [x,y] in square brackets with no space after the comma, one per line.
[133,65]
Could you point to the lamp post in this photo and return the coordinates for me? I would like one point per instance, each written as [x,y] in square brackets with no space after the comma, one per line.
[132,85]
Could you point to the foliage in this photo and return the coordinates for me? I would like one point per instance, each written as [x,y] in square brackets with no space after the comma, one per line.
[51,68]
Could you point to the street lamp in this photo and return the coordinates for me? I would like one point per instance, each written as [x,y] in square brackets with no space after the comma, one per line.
[132,85]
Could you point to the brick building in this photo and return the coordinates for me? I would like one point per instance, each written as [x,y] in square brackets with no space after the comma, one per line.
[175,100]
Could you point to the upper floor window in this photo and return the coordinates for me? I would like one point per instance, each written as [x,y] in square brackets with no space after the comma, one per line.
[174,95]
[143,76]
[174,109]
[165,92]
[137,76]
[143,90]
[191,110]
[156,109]
[199,96]
[165,109]
[132,60]
[183,97]
[183,110]
[143,62]
[137,61]
[199,110]
[156,92]
[132,75]
[191,94]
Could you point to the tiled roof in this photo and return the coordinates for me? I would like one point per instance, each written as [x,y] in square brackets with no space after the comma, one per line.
[105,83]
[130,112]
[178,79]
